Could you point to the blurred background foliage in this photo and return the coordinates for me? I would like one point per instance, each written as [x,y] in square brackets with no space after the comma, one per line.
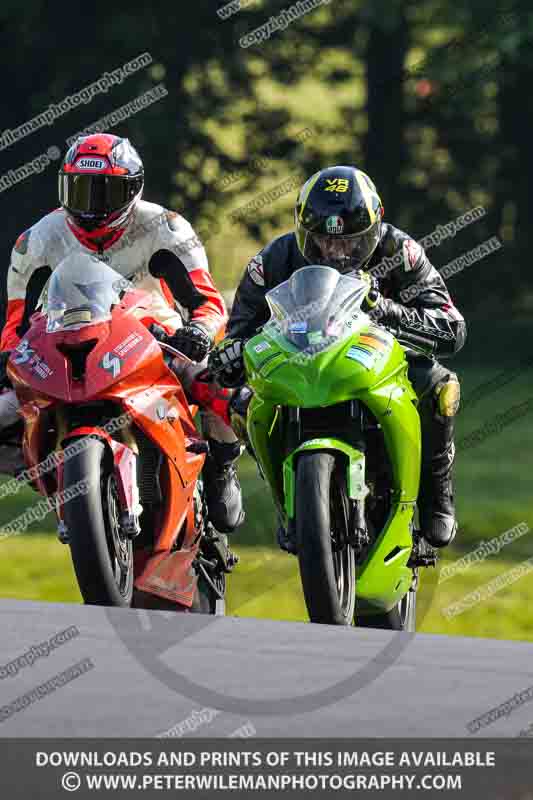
[432,99]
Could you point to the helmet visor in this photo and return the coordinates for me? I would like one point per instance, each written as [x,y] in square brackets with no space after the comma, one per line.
[96,195]
[344,253]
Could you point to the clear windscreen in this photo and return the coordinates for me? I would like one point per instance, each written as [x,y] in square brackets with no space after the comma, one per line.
[315,309]
[82,290]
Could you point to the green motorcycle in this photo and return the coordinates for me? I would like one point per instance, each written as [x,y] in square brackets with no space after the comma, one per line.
[334,427]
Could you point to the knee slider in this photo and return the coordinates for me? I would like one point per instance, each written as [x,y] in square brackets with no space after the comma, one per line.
[448,396]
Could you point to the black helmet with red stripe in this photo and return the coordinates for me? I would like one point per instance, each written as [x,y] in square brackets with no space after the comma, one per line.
[100,181]
[338,218]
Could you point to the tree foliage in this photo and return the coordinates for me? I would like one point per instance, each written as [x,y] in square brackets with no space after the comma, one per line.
[433,100]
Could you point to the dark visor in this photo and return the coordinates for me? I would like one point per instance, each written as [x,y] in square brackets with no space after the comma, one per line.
[96,194]
[358,245]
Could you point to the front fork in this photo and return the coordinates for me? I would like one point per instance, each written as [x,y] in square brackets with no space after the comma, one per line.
[384,575]
[125,471]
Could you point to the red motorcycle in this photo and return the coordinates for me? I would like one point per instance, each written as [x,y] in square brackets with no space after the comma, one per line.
[110,435]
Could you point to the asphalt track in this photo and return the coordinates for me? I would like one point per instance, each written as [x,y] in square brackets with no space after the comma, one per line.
[434,687]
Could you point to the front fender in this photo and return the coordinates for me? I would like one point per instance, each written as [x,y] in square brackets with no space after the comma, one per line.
[355,469]
[124,463]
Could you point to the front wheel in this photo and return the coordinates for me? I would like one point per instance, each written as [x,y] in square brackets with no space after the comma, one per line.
[327,561]
[102,555]
[400,618]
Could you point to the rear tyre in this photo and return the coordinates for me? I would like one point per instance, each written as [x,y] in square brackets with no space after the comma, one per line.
[102,556]
[327,563]
[400,618]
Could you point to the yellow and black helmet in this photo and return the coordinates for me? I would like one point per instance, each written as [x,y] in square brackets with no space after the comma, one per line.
[338,218]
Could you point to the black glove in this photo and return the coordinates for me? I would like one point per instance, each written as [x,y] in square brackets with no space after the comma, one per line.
[4,358]
[191,340]
[160,333]
[226,363]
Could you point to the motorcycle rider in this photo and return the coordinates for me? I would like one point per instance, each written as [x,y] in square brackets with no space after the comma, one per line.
[101,181]
[339,223]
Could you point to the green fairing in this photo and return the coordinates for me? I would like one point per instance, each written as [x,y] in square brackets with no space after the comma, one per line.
[281,377]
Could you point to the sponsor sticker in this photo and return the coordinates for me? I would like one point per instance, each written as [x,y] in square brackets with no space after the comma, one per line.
[261,347]
[362,356]
[111,363]
[337,185]
[40,368]
[24,352]
[26,355]
[255,270]
[335,224]
[130,343]
[298,327]
[112,360]
[77,316]
[91,163]
[372,341]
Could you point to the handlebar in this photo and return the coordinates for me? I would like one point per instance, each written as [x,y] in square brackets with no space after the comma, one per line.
[204,375]
[174,353]
[415,340]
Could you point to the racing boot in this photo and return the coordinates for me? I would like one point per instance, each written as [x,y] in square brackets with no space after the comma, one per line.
[435,502]
[222,487]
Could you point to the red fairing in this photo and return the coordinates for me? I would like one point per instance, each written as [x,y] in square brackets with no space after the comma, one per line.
[125,369]
[212,314]
[15,312]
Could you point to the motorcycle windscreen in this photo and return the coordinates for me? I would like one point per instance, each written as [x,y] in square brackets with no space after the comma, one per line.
[315,309]
[82,290]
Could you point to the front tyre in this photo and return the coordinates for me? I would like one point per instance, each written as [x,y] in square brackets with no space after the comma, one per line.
[327,562]
[400,618]
[102,556]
